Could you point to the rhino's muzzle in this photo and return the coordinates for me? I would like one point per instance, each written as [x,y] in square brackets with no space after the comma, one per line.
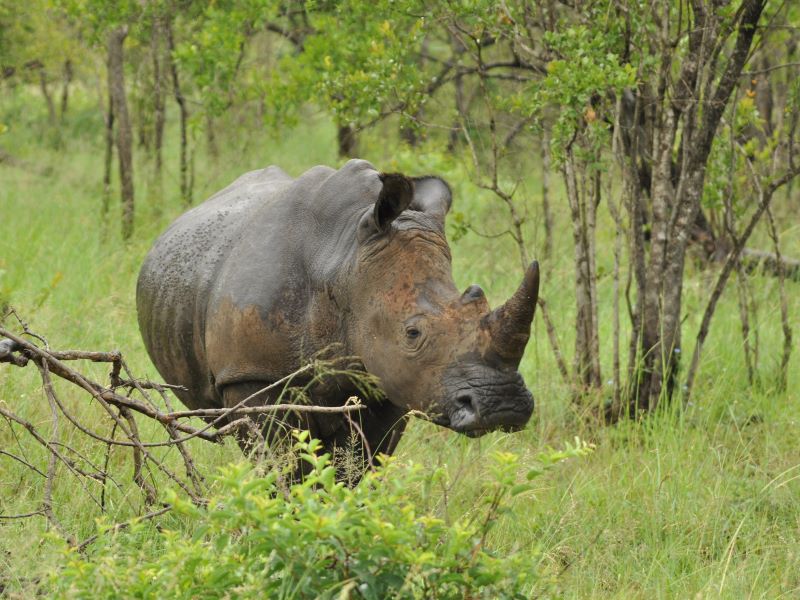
[485,400]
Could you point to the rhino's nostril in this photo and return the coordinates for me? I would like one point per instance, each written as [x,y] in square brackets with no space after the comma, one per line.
[468,403]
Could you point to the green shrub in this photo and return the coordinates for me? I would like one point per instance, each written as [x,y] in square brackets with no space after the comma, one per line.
[316,539]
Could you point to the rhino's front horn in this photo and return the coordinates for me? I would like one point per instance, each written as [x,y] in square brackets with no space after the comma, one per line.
[510,324]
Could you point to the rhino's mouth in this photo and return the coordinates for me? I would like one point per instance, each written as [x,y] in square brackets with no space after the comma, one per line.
[476,432]
[485,400]
[467,422]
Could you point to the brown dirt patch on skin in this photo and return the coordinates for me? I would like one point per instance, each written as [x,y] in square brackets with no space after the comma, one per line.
[240,345]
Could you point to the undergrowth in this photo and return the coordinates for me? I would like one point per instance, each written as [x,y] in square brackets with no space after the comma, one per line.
[318,539]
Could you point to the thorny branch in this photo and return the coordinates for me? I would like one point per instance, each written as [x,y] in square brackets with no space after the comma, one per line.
[124,399]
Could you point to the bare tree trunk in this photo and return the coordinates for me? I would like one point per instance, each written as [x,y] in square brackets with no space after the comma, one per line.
[618,237]
[630,135]
[587,360]
[68,74]
[548,213]
[51,107]
[141,113]
[591,228]
[190,183]
[744,317]
[455,130]
[109,155]
[764,97]
[347,141]
[186,194]
[653,306]
[744,313]
[211,138]
[158,99]
[785,326]
[116,75]
[794,118]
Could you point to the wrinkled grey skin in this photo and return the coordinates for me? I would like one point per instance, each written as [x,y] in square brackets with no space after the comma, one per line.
[245,288]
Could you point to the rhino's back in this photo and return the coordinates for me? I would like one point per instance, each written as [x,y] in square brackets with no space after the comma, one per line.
[181,268]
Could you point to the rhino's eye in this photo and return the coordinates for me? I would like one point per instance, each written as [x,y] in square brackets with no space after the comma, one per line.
[413,333]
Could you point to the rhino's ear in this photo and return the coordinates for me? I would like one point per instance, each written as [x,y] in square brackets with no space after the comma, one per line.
[395,196]
[432,196]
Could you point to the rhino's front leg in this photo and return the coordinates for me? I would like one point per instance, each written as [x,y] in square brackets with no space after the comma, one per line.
[269,438]
[362,436]
[354,441]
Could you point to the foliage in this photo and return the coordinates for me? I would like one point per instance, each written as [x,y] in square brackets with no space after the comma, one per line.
[213,48]
[37,35]
[582,83]
[354,64]
[318,539]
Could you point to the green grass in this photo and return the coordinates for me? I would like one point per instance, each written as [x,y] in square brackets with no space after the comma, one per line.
[701,501]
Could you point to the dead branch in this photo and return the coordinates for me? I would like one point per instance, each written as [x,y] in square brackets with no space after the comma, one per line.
[124,399]
[770,263]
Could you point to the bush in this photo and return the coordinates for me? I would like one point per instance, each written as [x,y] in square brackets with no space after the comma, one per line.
[316,539]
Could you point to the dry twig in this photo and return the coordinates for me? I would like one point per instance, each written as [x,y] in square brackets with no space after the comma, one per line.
[123,409]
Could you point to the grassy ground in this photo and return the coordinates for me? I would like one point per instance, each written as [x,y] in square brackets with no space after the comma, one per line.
[700,501]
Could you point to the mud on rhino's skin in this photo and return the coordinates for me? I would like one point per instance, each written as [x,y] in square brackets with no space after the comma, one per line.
[244,288]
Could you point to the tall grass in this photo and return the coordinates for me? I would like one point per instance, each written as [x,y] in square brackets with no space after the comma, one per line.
[698,500]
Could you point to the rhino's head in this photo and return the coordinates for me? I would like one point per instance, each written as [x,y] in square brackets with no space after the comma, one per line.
[435,349]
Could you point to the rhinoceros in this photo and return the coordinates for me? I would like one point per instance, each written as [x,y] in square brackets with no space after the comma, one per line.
[244,288]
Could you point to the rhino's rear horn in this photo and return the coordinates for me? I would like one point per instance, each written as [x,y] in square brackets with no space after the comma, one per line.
[510,324]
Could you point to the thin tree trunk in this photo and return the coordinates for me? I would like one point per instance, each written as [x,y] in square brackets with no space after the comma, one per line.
[614,209]
[728,220]
[587,363]
[794,119]
[51,107]
[785,326]
[190,183]
[347,141]
[142,115]
[211,138]
[654,304]
[184,117]
[634,203]
[548,214]
[109,155]
[455,131]
[158,100]
[591,251]
[764,97]
[744,318]
[116,75]
[68,74]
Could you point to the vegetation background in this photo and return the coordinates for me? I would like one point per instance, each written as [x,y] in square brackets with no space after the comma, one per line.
[699,497]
